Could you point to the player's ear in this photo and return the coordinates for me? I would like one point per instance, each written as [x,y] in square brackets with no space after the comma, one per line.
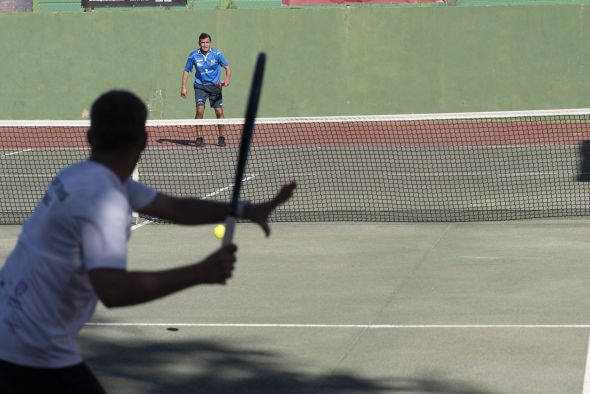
[143,141]
[90,137]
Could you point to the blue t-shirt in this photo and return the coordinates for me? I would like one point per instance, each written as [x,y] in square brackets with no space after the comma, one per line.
[207,66]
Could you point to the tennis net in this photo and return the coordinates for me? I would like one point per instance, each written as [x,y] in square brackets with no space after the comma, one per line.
[441,167]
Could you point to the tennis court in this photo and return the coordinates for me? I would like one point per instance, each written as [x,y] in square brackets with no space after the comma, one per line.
[496,307]
[352,293]
[430,253]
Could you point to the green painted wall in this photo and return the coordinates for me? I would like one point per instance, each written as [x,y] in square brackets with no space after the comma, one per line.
[320,62]
[75,5]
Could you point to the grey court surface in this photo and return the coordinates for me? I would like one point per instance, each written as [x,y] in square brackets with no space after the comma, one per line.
[453,308]
[367,183]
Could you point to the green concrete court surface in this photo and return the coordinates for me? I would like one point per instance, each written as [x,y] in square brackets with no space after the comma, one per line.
[453,308]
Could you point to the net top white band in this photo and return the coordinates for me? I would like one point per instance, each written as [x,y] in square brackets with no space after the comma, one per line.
[319,119]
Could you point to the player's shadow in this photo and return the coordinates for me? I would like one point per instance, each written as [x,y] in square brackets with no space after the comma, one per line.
[180,365]
[176,141]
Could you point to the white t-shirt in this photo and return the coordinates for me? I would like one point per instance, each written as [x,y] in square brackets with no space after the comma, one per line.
[82,223]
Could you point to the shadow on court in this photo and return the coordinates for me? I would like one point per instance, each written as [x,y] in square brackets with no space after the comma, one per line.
[183,142]
[177,142]
[189,366]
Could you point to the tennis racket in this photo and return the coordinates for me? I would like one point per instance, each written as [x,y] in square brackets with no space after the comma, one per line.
[251,109]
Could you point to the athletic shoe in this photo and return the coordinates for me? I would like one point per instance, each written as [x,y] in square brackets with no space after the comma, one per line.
[221,141]
[199,142]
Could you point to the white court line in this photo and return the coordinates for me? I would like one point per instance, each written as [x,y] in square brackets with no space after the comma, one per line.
[478,173]
[351,326]
[458,173]
[586,389]
[16,152]
[508,258]
[143,173]
[216,192]
[139,225]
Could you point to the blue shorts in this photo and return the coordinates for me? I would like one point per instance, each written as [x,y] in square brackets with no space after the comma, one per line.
[214,94]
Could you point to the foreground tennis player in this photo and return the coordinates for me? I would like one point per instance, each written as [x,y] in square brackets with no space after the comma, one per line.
[72,252]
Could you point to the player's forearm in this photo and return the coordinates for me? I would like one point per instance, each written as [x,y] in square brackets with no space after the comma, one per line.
[188,211]
[195,211]
[130,288]
[118,287]
[185,76]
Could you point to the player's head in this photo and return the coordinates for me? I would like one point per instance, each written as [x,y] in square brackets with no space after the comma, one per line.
[117,122]
[205,42]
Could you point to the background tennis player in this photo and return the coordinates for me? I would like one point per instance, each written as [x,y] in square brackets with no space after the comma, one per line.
[207,62]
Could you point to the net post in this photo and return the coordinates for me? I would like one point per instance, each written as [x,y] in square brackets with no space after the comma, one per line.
[135,177]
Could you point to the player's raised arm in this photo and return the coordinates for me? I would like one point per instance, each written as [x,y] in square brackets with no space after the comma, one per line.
[193,211]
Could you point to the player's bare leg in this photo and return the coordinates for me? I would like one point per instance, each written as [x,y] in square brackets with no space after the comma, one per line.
[199,129]
[220,127]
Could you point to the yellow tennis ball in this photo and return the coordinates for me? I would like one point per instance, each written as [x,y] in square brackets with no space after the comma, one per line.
[219,231]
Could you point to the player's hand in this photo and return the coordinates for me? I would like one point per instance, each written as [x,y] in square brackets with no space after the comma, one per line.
[259,213]
[218,267]
[183,92]
[225,82]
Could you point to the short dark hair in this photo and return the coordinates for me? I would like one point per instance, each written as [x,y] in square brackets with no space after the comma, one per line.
[117,121]
[202,36]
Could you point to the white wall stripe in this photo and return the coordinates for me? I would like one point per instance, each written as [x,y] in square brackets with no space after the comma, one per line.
[348,326]
[320,119]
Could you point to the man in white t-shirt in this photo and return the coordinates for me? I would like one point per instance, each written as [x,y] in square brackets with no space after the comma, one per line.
[72,252]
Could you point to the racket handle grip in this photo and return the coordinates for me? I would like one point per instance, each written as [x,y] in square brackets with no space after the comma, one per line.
[230,223]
